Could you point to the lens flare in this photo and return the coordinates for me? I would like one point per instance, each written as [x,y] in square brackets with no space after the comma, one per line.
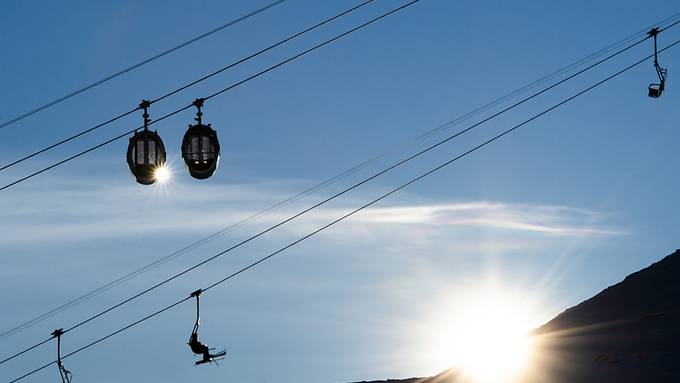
[491,344]
[162,174]
[481,334]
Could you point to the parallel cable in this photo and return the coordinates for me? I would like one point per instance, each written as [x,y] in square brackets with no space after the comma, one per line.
[673,20]
[362,207]
[169,115]
[139,64]
[338,194]
[258,74]
[428,134]
[481,109]
[68,159]
[105,337]
[291,37]
[188,85]
[316,187]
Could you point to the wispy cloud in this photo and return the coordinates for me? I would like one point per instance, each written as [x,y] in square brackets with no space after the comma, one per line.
[98,212]
[548,219]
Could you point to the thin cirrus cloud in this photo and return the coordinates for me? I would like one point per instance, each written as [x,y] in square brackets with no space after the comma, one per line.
[537,218]
[114,212]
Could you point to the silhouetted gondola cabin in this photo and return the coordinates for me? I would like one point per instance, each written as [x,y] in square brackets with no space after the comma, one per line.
[145,154]
[201,150]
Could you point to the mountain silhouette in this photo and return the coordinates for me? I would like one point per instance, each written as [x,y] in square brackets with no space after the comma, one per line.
[447,376]
[629,332]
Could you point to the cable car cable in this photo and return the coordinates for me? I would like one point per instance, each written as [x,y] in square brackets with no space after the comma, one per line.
[190,84]
[336,195]
[167,116]
[291,37]
[391,167]
[673,20]
[139,64]
[517,104]
[31,175]
[360,208]
[307,191]
[258,74]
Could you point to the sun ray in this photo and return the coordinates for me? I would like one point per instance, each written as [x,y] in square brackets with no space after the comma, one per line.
[483,334]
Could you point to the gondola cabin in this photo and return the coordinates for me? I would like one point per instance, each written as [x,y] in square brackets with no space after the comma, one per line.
[201,150]
[145,155]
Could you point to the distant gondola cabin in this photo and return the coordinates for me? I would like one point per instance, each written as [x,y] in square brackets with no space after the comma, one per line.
[201,150]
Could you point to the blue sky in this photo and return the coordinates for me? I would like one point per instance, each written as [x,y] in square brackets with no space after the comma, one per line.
[551,214]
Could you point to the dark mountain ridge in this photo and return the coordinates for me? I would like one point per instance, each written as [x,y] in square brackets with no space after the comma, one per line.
[654,289]
[629,332]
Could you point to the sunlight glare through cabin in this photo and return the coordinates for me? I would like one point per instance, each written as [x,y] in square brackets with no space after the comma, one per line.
[163,174]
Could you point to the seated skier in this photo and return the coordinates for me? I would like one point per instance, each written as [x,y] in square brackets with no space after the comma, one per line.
[196,346]
[199,348]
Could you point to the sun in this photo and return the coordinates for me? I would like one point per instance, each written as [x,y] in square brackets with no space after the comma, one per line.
[162,174]
[490,343]
[484,337]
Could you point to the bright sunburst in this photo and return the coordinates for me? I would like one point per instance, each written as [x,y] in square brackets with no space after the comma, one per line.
[163,174]
[483,335]
[490,342]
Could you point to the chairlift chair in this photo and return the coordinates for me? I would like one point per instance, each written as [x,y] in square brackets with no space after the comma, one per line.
[656,89]
[196,346]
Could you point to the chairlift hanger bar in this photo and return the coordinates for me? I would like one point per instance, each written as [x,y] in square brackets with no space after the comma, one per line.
[382,197]
[65,374]
[197,294]
[655,90]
